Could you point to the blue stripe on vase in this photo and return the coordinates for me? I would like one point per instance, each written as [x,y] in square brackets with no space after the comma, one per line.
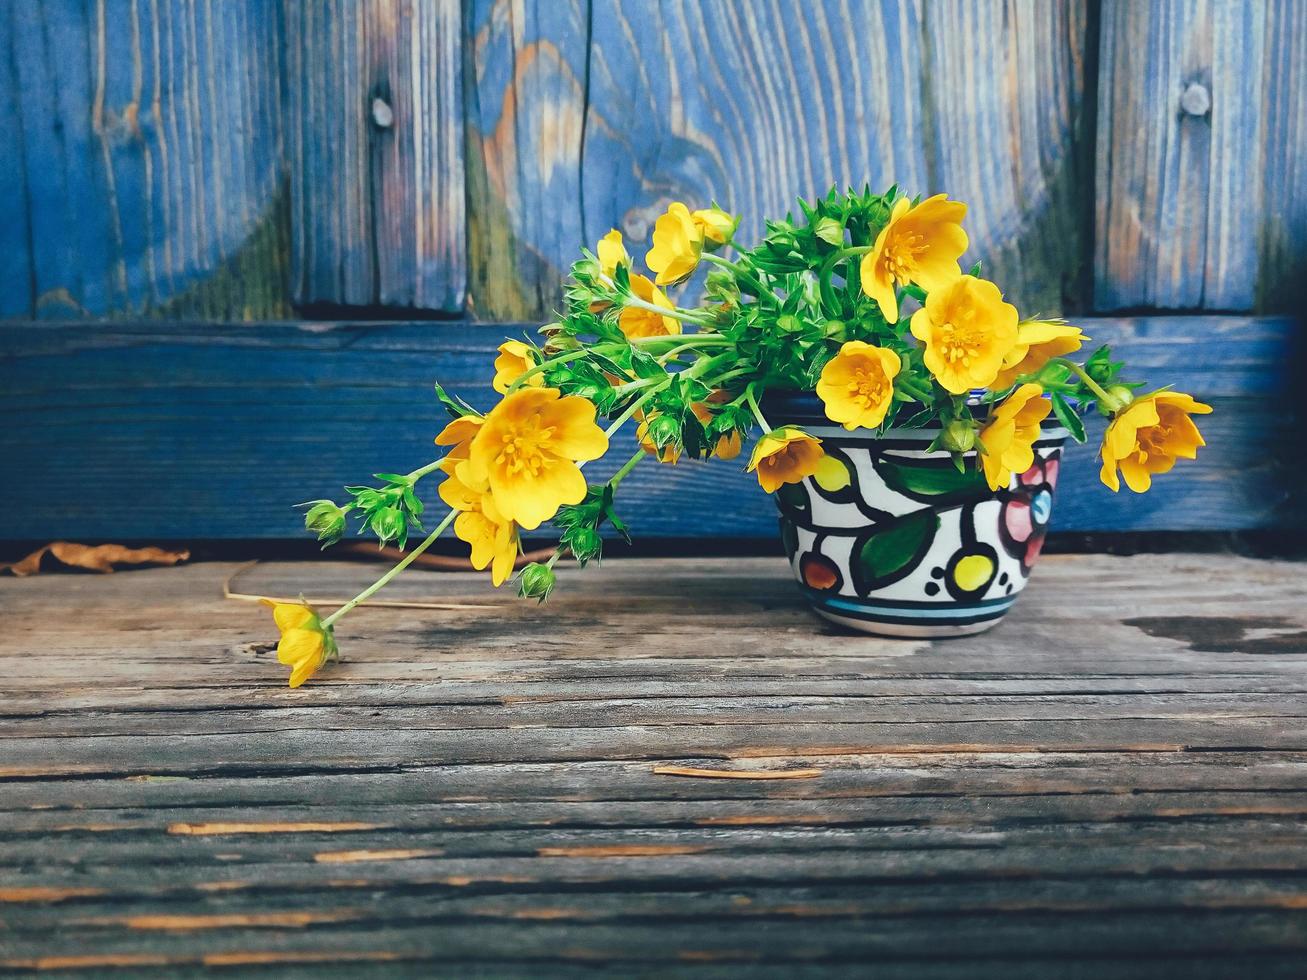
[972,611]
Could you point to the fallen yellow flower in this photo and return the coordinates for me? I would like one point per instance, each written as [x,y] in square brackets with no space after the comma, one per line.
[305,644]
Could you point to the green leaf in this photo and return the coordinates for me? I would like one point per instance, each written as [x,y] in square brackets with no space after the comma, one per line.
[1068,416]
[892,549]
[943,484]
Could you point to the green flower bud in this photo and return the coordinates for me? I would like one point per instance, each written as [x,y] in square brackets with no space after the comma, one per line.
[829,230]
[584,543]
[389,524]
[788,324]
[835,330]
[325,519]
[959,436]
[1122,395]
[536,581]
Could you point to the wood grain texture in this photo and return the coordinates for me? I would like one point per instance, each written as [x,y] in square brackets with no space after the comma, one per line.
[1114,780]
[148,432]
[1201,200]
[375,151]
[582,117]
[141,161]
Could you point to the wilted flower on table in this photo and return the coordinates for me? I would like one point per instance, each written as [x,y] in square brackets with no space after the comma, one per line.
[785,455]
[715,226]
[1147,436]
[677,245]
[1038,342]
[515,359]
[611,253]
[1009,437]
[921,245]
[968,330]
[305,644]
[526,453]
[636,322]
[857,385]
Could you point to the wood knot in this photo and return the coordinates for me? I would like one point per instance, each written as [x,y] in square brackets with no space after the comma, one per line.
[383,117]
[1196,100]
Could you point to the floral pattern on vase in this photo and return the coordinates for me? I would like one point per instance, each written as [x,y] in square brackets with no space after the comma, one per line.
[889,538]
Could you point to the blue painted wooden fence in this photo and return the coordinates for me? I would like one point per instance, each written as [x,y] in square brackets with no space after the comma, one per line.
[171,168]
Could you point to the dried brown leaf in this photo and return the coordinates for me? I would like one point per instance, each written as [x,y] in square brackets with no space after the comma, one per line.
[97,558]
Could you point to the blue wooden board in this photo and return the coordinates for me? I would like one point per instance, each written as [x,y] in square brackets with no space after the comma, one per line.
[150,431]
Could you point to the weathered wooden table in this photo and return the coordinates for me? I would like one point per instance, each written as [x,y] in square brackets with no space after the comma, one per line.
[1112,782]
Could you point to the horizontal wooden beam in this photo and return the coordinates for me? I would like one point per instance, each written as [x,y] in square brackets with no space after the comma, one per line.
[148,430]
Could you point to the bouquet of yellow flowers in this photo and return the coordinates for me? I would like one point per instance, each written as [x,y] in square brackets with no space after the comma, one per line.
[861,301]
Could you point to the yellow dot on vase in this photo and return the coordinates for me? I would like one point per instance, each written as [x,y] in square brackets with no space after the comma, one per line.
[972,572]
[832,474]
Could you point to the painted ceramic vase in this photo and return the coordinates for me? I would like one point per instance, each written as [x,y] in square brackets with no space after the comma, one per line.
[888,538]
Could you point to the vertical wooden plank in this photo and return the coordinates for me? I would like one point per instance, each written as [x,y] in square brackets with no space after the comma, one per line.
[1181,139]
[756,103]
[146,144]
[525,116]
[376,153]
[1282,281]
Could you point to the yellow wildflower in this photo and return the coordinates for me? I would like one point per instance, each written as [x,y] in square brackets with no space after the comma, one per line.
[1009,437]
[611,253]
[636,322]
[785,455]
[968,330]
[459,434]
[305,644]
[527,450]
[494,540]
[1038,342]
[857,385]
[1147,436]
[715,225]
[515,359]
[921,244]
[677,245]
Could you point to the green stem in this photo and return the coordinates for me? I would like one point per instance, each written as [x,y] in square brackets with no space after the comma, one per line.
[1111,403]
[911,387]
[422,471]
[834,259]
[635,407]
[744,275]
[407,560]
[752,398]
[629,465]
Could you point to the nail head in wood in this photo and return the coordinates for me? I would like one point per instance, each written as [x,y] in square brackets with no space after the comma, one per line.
[1196,100]
[382,115]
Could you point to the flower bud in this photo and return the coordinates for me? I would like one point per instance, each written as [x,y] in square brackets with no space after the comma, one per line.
[829,230]
[835,330]
[536,581]
[959,437]
[1121,395]
[327,520]
[584,542]
[788,323]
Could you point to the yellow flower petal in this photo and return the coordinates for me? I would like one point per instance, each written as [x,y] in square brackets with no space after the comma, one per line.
[921,245]
[857,385]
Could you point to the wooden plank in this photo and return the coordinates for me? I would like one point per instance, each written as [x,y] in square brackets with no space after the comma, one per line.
[143,157]
[186,810]
[598,124]
[1198,193]
[215,434]
[375,147]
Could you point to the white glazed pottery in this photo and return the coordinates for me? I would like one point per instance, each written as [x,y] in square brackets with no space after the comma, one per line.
[888,538]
